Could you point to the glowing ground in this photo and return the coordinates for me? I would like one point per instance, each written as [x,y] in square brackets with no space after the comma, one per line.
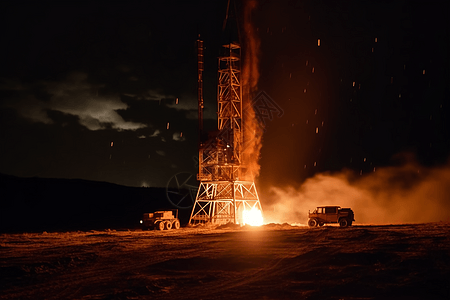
[269,262]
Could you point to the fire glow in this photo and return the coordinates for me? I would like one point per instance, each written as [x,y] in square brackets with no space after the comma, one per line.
[252,217]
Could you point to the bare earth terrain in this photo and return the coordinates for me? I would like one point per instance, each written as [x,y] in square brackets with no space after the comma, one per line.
[269,262]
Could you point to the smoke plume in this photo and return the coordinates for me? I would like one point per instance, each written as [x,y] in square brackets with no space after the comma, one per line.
[250,76]
[409,193]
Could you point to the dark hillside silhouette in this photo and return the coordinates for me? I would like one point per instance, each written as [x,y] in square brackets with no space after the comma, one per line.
[41,204]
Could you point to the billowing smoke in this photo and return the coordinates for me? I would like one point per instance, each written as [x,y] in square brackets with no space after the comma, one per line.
[409,193]
[250,76]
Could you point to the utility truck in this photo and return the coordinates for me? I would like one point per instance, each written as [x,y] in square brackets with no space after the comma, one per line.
[331,214]
[161,220]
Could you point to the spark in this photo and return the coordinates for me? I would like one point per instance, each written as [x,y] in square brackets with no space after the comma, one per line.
[315,163]
[306,62]
[315,112]
[312,70]
[176,101]
[376,40]
[354,83]
[112,144]
[181,134]
[318,42]
[167,125]
[304,90]
[372,49]
[317,129]
[423,72]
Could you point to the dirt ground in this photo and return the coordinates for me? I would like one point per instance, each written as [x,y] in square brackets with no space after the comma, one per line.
[268,262]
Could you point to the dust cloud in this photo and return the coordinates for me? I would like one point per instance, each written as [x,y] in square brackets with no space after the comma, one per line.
[408,193]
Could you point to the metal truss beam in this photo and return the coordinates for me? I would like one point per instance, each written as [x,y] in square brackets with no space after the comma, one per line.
[223,194]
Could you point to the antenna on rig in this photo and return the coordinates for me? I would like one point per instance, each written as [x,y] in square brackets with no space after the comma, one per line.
[226,17]
[200,69]
[230,28]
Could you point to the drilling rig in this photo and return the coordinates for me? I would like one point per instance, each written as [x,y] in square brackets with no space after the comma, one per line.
[227,191]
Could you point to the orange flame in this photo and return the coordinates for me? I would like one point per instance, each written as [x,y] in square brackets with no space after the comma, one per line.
[252,217]
[253,130]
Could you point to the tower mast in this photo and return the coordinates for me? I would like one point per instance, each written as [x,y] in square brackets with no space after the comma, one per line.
[226,191]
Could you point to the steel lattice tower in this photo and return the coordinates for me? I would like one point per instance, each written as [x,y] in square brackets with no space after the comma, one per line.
[225,189]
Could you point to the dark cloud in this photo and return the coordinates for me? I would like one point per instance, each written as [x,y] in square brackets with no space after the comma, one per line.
[76,77]
[73,95]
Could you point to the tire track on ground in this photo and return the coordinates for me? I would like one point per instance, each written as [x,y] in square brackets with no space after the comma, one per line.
[273,269]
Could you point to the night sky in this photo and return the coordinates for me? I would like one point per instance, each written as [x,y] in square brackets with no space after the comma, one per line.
[107,92]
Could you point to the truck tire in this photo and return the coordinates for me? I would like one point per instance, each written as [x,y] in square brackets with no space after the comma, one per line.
[343,222]
[160,225]
[176,224]
[312,223]
[167,225]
